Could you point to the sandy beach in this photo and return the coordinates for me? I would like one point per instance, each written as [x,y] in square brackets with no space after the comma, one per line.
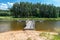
[25,35]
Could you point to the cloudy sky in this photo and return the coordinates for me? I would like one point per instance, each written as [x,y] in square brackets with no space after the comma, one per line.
[4,4]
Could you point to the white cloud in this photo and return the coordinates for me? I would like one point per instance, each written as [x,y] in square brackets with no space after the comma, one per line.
[10,4]
[56,0]
[5,6]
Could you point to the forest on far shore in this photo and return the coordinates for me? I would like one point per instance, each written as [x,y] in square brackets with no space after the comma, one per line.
[33,10]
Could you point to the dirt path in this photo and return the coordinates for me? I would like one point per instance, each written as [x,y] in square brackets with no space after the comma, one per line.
[22,35]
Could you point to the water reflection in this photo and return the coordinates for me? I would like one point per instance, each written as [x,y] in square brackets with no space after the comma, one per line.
[17,25]
[5,26]
[57,26]
[45,26]
[41,26]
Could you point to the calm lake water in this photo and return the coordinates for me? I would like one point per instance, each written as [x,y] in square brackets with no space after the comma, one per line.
[39,25]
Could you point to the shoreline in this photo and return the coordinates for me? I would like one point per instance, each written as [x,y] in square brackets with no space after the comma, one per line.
[24,35]
[10,18]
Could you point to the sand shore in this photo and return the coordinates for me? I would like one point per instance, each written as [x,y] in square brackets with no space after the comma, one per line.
[25,35]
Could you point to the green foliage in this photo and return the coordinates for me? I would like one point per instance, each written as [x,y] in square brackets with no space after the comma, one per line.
[56,37]
[4,13]
[38,10]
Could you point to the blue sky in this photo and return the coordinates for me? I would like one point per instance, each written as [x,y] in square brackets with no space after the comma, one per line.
[4,4]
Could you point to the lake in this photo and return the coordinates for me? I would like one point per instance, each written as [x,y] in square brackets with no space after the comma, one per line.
[39,26]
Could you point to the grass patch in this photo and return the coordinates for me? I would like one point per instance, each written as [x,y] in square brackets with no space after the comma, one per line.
[47,36]
[56,37]
[11,18]
[36,18]
[8,18]
[44,34]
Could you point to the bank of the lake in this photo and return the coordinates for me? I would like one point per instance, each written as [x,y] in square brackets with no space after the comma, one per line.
[10,18]
[5,18]
[27,35]
[35,18]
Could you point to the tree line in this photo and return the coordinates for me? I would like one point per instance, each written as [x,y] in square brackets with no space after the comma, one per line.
[4,13]
[34,10]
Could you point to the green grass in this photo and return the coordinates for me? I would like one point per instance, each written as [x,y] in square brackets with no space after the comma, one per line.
[56,37]
[37,18]
[10,18]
